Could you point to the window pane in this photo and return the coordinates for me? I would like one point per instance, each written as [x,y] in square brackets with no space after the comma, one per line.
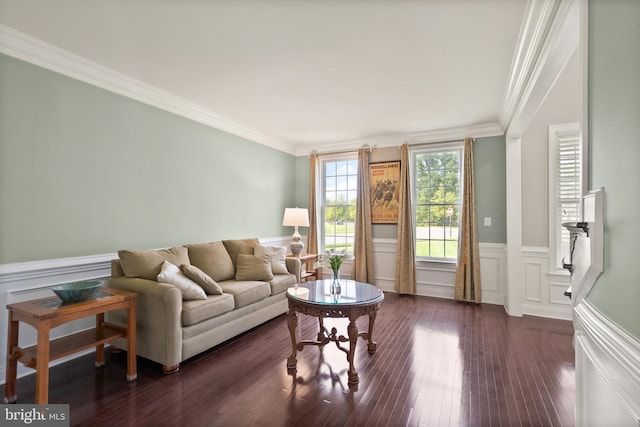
[437,199]
[341,182]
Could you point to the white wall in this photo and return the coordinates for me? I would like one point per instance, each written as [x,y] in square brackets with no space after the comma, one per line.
[543,286]
[562,105]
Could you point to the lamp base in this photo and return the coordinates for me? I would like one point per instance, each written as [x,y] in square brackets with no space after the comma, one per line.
[296,247]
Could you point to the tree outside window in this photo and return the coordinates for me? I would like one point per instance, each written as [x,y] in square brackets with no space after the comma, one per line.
[339,208]
[437,177]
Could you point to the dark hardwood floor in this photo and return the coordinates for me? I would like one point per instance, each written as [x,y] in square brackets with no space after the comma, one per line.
[439,363]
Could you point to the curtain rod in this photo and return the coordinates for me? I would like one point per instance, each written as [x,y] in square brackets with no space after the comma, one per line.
[367,148]
[370,149]
[436,142]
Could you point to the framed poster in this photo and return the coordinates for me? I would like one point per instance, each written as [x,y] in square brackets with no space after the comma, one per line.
[384,179]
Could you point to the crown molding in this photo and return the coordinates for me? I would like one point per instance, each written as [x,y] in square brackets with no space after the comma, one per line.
[390,140]
[37,52]
[550,32]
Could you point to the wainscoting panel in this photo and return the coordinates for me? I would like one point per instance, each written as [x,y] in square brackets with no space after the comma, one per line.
[437,279]
[32,280]
[493,271]
[607,371]
[543,290]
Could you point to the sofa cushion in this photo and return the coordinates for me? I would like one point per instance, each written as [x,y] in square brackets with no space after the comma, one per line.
[201,278]
[146,264]
[213,259]
[172,275]
[246,292]
[240,246]
[277,253]
[254,267]
[281,282]
[196,311]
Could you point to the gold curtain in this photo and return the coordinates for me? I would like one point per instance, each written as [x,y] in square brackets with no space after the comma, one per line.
[406,257]
[468,286]
[363,269]
[312,236]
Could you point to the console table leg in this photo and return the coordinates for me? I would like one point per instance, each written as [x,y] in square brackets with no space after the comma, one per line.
[42,364]
[99,348]
[352,330]
[132,370]
[292,321]
[10,395]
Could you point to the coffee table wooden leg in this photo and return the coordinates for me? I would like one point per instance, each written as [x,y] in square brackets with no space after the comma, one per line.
[10,395]
[292,321]
[132,369]
[352,330]
[372,346]
[42,364]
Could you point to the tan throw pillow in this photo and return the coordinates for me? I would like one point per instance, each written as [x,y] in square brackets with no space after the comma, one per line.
[201,278]
[213,259]
[254,267]
[277,253]
[172,275]
[147,263]
[240,246]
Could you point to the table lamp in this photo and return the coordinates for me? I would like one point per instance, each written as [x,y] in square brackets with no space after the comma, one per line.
[296,217]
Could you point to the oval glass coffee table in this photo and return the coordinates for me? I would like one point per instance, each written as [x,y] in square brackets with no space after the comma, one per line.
[315,298]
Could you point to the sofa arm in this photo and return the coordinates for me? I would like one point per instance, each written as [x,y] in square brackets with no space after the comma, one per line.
[294,266]
[158,319]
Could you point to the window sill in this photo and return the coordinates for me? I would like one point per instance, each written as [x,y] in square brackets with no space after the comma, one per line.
[436,265]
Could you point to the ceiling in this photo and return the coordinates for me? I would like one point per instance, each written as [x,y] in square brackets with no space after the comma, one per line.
[304,74]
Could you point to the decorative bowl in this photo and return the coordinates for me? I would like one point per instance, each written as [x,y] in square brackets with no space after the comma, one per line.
[77,291]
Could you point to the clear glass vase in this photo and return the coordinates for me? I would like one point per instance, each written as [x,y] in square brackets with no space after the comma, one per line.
[335,282]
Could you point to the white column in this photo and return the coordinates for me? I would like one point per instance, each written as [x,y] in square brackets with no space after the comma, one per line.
[514,295]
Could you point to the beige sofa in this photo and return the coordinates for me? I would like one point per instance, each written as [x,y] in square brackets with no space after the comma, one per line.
[241,292]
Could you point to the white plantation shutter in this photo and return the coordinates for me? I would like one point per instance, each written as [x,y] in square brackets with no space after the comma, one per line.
[568,186]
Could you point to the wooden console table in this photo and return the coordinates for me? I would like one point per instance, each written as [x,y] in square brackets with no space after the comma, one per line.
[47,313]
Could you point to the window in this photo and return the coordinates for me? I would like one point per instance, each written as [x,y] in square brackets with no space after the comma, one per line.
[565,187]
[436,191]
[340,183]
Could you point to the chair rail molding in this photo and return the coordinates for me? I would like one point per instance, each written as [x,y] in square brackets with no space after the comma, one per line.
[607,370]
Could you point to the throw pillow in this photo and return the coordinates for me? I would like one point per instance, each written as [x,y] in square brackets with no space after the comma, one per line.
[201,278]
[213,259]
[277,253]
[254,267]
[240,246]
[172,275]
[147,263]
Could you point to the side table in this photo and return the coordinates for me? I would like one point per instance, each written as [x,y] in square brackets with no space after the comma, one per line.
[316,299]
[47,313]
[308,272]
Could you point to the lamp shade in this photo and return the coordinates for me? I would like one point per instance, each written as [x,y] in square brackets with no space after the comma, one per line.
[296,217]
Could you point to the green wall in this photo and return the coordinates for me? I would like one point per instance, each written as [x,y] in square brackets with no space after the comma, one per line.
[614,138]
[491,188]
[85,171]
[490,167]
